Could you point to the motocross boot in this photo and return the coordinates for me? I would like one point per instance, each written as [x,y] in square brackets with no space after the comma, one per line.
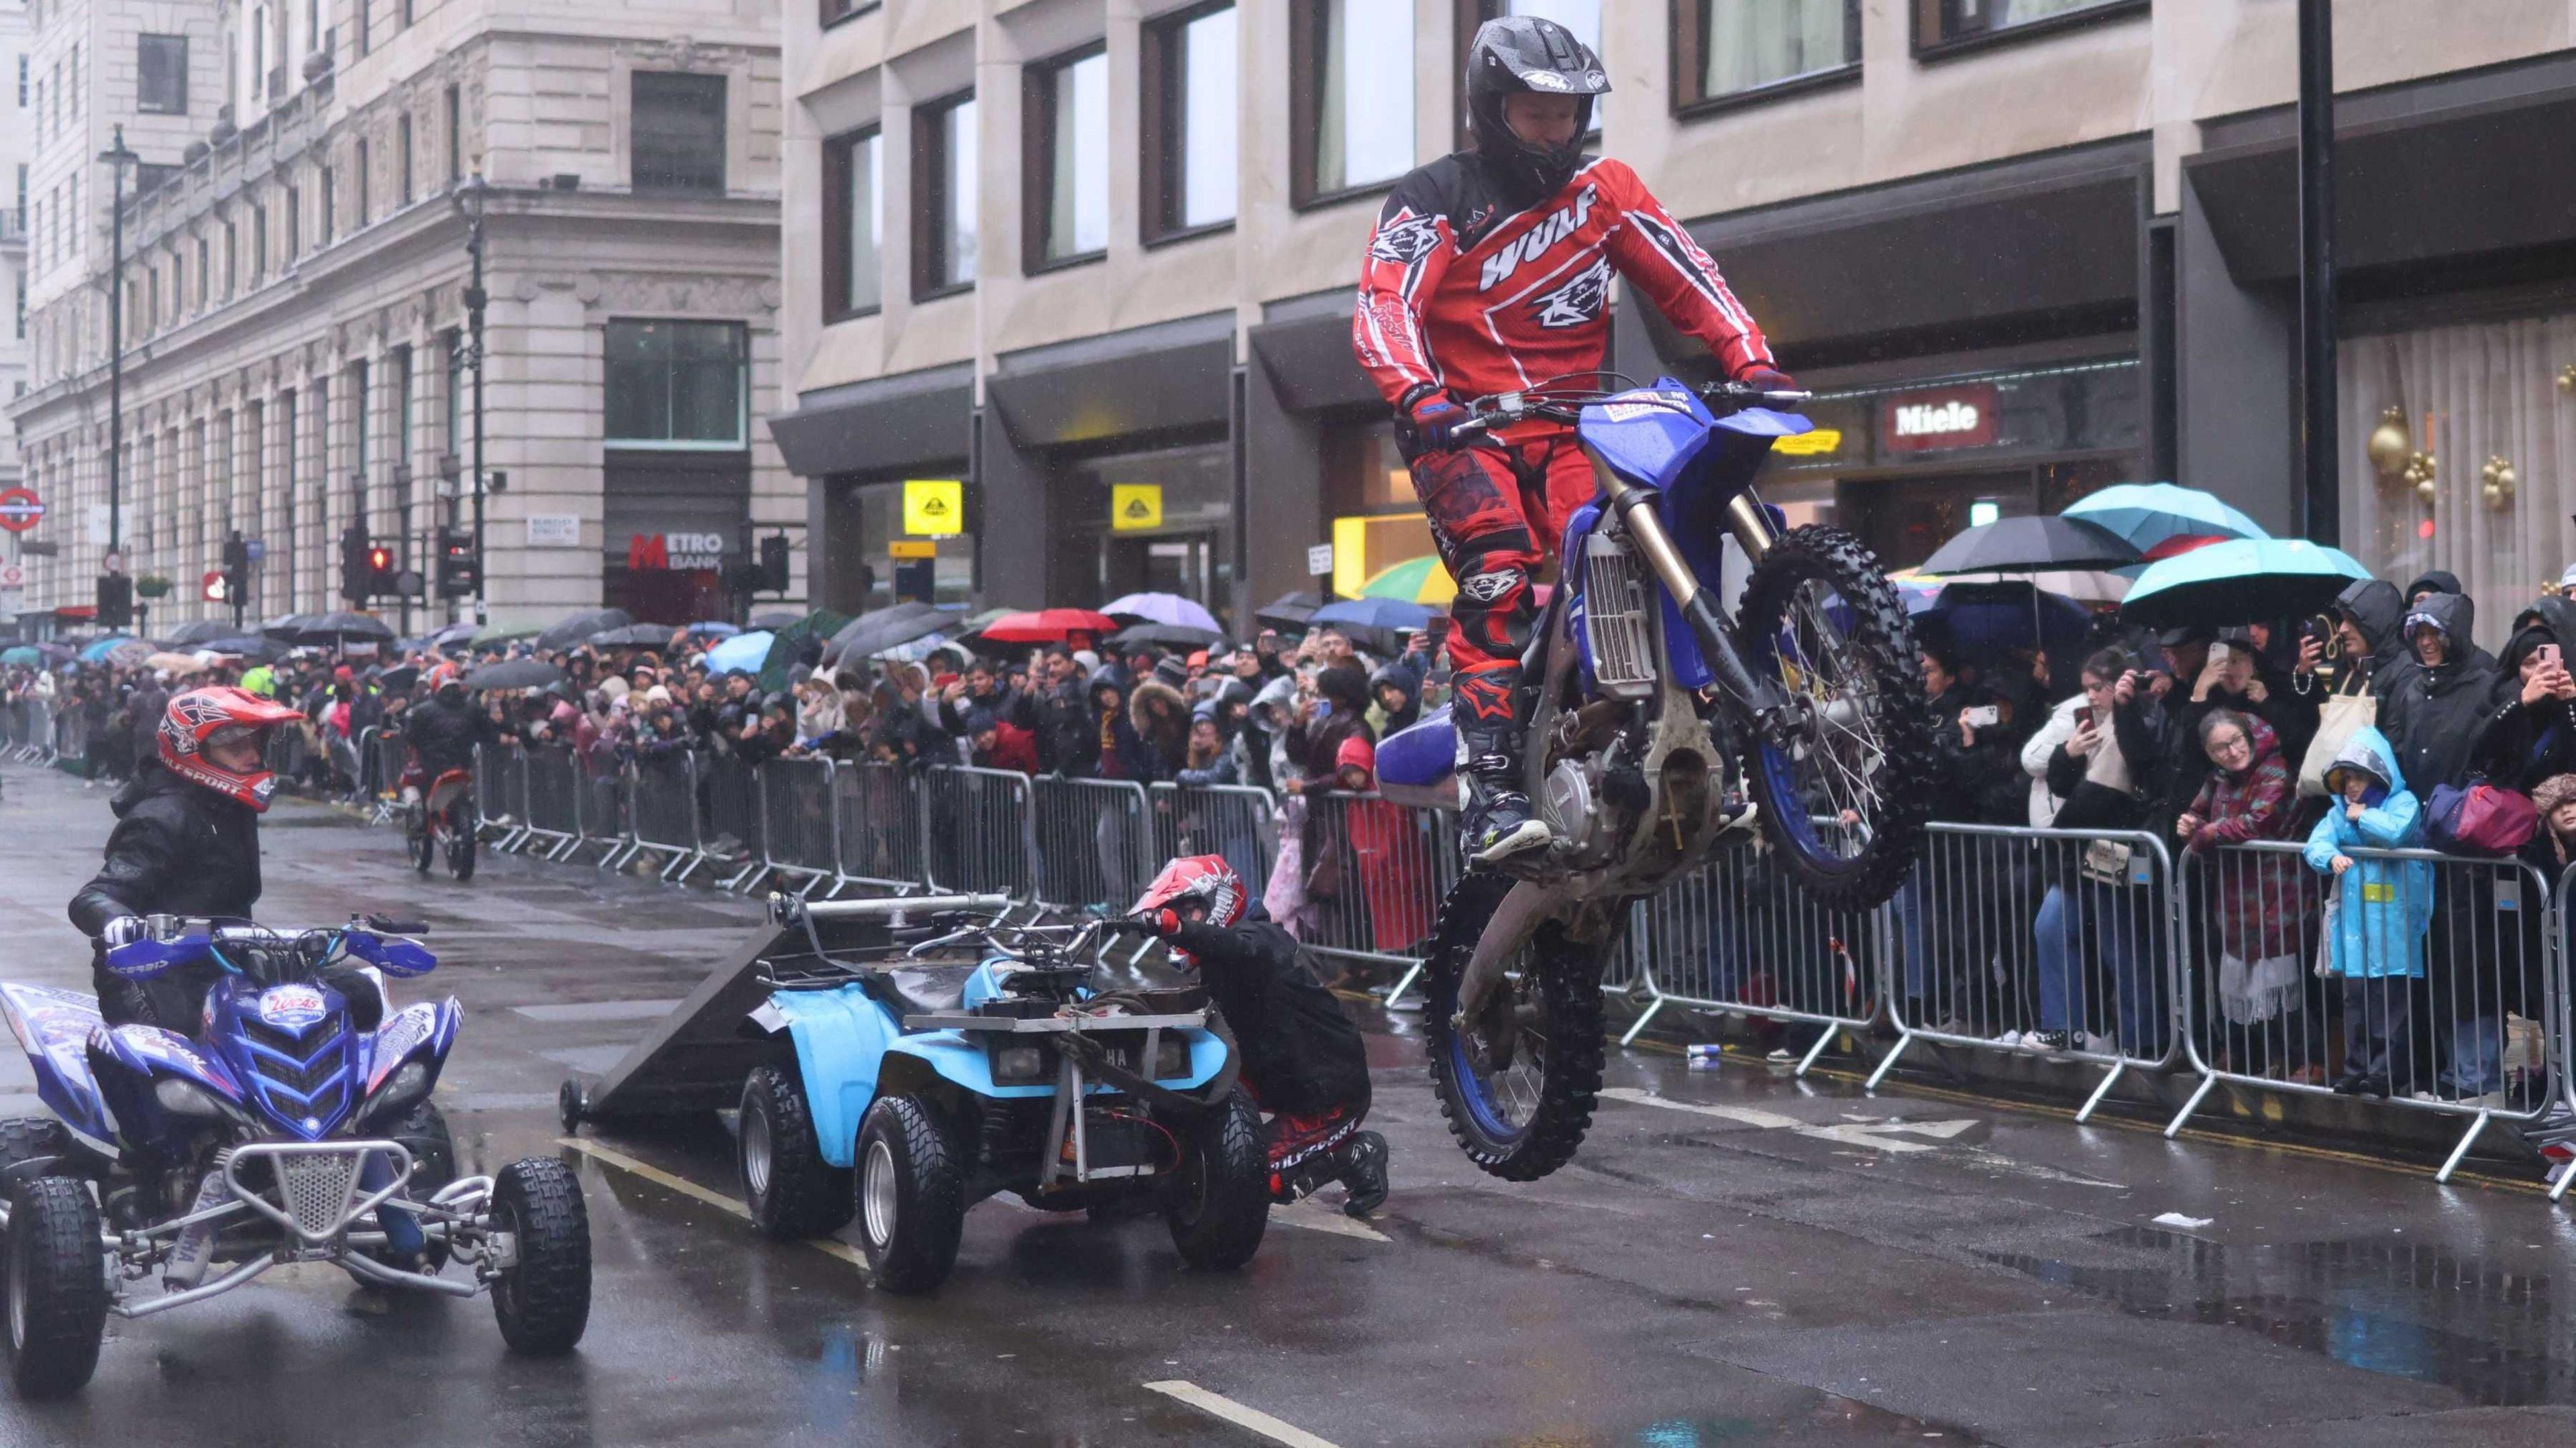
[1363,1161]
[1498,823]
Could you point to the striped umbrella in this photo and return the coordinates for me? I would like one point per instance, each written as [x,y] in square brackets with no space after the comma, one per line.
[1415,580]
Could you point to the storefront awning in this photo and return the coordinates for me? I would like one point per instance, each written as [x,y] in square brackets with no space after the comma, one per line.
[882,425]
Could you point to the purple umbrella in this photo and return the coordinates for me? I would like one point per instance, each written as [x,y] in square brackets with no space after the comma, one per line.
[1168,608]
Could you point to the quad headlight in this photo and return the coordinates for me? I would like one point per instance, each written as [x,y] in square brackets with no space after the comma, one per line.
[187,1098]
[1171,1058]
[408,1083]
[1019,1065]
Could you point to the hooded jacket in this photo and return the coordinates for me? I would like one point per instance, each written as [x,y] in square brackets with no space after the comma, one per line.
[2379,611]
[1345,688]
[177,849]
[2435,718]
[1127,756]
[2382,907]
[2523,744]
[1301,1054]
[1400,676]
[1261,745]
[1161,718]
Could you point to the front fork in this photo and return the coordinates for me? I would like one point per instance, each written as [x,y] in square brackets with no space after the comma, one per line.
[1763,700]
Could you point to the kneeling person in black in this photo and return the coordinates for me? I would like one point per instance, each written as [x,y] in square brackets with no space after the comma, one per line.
[1301,1058]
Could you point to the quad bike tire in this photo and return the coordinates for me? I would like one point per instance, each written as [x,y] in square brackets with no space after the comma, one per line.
[1218,1204]
[543,1301]
[38,1141]
[1888,691]
[56,1287]
[791,1191]
[911,1195]
[1562,979]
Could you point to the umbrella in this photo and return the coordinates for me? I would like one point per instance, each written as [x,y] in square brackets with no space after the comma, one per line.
[1393,614]
[633,636]
[2243,580]
[1050,625]
[336,628]
[773,618]
[199,631]
[1290,610]
[741,654]
[175,663]
[97,650]
[1415,580]
[1166,635]
[24,655]
[2084,585]
[716,628]
[398,678]
[1168,608]
[2032,545]
[515,674]
[1987,621]
[883,629]
[569,631]
[266,650]
[2146,514]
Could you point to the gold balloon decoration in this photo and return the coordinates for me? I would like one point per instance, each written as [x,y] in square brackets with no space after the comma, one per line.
[2497,481]
[2567,379]
[2389,446]
[2421,471]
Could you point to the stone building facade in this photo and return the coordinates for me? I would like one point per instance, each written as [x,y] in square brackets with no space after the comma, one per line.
[296,361]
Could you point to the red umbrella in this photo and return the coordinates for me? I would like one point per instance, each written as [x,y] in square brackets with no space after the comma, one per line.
[1049,625]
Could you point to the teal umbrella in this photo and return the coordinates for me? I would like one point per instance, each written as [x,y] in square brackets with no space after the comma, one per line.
[23,654]
[2244,580]
[2146,514]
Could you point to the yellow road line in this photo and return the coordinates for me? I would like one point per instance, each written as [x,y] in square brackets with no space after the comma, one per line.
[1221,1406]
[828,1246]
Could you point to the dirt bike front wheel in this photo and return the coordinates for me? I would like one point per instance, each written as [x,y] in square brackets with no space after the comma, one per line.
[1516,1084]
[1845,792]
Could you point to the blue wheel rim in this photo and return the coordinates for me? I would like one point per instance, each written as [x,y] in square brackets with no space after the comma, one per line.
[1471,1092]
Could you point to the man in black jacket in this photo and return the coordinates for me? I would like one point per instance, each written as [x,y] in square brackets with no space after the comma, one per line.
[444,731]
[186,842]
[1301,1058]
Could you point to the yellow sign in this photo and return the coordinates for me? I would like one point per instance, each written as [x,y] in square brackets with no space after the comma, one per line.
[913,548]
[1135,507]
[936,506]
[1816,443]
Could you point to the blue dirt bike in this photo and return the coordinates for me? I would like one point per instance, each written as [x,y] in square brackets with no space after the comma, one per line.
[1660,725]
[294,1126]
[971,1056]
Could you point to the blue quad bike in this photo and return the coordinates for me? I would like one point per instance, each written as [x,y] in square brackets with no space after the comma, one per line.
[971,1056]
[295,1126]
[1664,721]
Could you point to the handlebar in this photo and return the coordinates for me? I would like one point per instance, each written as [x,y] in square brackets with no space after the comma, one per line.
[172,940]
[1503,409]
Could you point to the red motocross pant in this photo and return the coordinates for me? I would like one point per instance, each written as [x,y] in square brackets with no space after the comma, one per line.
[1496,513]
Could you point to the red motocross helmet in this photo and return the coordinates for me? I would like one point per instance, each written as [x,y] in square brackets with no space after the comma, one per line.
[1195,879]
[196,718]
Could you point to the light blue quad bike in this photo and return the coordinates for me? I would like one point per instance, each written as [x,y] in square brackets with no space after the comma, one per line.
[1663,721]
[922,1068]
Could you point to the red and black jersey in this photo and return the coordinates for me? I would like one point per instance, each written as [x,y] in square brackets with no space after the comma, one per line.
[1460,293]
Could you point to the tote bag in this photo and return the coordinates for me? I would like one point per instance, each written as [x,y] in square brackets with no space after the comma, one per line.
[2342,716]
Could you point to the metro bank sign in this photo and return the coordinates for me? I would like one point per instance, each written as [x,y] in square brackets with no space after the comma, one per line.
[674,550]
[1943,417]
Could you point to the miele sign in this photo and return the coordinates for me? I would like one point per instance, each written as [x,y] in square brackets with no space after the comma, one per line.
[1940,418]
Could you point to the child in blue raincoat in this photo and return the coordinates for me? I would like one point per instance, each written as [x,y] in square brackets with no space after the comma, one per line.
[2376,918]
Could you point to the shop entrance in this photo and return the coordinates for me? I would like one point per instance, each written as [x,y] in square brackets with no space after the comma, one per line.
[668,595]
[1182,563]
[1903,519]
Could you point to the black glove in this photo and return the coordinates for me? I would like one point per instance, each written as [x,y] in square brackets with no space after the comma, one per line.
[1157,925]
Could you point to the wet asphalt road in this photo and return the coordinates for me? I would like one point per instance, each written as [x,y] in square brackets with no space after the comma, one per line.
[1790,1263]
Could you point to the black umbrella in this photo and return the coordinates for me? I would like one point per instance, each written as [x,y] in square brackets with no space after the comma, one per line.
[515,674]
[883,629]
[1290,610]
[199,632]
[399,677]
[336,628]
[778,618]
[582,625]
[2033,545]
[1166,635]
[266,650]
[633,636]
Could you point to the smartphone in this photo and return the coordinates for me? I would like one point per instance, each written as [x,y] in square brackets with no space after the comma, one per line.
[1985,718]
[2084,717]
[1323,708]
[2549,656]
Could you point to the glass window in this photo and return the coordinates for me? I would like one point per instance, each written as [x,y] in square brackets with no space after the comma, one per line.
[679,132]
[452,433]
[1191,113]
[1354,66]
[854,225]
[402,156]
[1744,45]
[161,74]
[835,11]
[1071,100]
[944,202]
[1943,22]
[676,384]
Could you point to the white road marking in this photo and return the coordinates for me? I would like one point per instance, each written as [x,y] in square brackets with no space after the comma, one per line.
[1316,1217]
[828,1246]
[598,1011]
[1221,1406]
[1877,1135]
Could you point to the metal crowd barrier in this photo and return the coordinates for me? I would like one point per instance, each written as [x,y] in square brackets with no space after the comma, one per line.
[729,810]
[500,796]
[71,741]
[1236,821]
[602,810]
[876,826]
[985,844]
[1375,874]
[800,816]
[2432,957]
[552,793]
[1094,842]
[662,792]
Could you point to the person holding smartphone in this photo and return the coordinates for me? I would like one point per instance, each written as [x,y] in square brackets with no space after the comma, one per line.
[2530,734]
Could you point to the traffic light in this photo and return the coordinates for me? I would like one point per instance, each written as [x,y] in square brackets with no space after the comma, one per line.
[380,570]
[357,565]
[460,568]
[237,572]
[773,564]
[115,601]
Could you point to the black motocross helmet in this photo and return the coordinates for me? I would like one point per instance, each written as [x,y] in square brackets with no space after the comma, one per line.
[1524,55]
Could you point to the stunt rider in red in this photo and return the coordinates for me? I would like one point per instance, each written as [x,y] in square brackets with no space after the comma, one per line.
[1490,272]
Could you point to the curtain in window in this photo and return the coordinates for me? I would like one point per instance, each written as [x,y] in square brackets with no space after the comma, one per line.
[1755,42]
[2491,391]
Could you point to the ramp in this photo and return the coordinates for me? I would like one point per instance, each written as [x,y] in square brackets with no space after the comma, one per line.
[696,1057]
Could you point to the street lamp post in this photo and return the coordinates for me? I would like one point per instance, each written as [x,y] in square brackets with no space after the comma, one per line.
[2320,487]
[117,156]
[470,196]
